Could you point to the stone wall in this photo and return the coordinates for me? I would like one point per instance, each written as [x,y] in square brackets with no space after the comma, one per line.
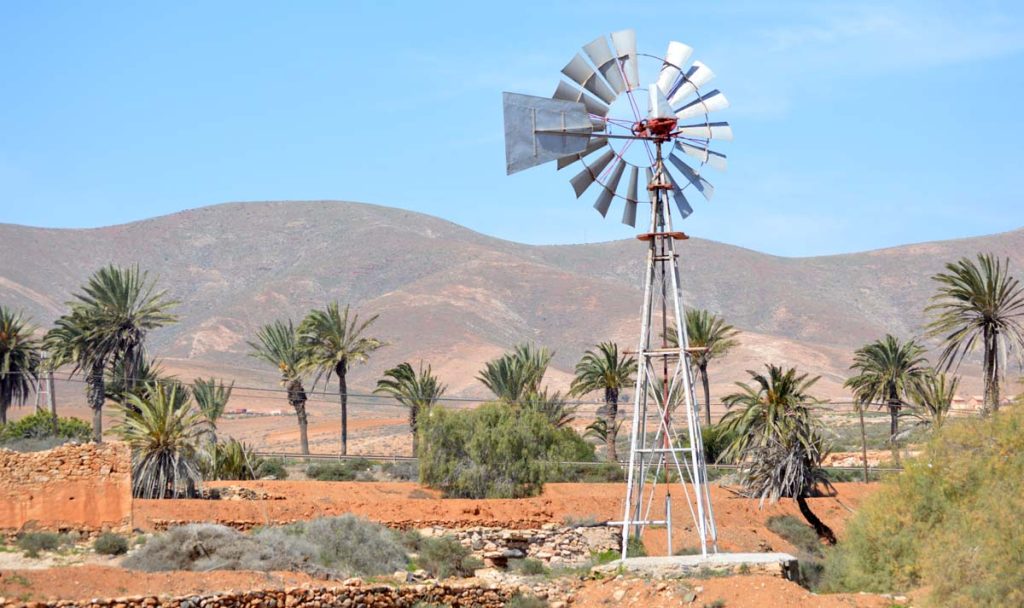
[552,544]
[350,595]
[83,487]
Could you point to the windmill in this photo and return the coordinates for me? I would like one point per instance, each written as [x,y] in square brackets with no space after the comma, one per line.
[580,126]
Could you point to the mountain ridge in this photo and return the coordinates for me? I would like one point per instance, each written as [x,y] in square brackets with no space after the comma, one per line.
[457,297]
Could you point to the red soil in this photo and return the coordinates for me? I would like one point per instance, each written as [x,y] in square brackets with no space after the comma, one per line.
[741,523]
[86,582]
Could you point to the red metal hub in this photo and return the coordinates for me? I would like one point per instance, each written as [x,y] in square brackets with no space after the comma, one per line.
[659,129]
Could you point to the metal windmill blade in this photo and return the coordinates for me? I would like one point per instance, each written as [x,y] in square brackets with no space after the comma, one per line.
[589,174]
[702,185]
[705,104]
[697,76]
[675,57]
[579,71]
[709,130]
[625,49]
[629,210]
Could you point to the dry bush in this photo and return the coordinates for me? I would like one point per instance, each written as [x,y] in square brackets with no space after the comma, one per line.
[950,522]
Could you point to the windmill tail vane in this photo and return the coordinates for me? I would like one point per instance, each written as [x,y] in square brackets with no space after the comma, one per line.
[577,126]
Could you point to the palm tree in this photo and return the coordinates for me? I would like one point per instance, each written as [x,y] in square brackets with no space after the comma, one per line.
[932,396]
[552,405]
[979,302]
[778,440]
[211,396]
[418,391]
[605,370]
[709,337]
[106,328]
[331,341]
[888,368]
[163,430]
[19,360]
[277,343]
[515,375]
[118,383]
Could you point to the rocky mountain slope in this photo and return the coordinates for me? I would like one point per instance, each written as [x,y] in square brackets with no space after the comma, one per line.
[455,298]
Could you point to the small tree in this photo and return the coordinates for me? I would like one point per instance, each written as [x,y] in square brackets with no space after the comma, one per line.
[278,344]
[778,440]
[605,370]
[932,397]
[211,396]
[416,391]
[19,360]
[106,328]
[514,375]
[331,341]
[163,430]
[888,368]
[979,302]
[710,337]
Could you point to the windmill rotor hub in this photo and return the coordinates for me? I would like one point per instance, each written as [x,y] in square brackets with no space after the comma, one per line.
[659,129]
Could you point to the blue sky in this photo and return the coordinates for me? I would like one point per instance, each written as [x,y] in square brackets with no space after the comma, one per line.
[858,125]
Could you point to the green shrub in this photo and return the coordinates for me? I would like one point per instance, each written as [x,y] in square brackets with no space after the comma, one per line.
[40,426]
[402,471]
[271,467]
[232,460]
[494,451]
[949,522]
[797,533]
[444,556]
[345,470]
[530,566]
[635,547]
[109,543]
[34,542]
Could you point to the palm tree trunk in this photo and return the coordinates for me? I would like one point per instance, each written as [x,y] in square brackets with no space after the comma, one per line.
[340,370]
[96,397]
[413,415]
[894,427]
[5,403]
[300,411]
[991,371]
[611,399]
[863,440]
[707,393]
[823,531]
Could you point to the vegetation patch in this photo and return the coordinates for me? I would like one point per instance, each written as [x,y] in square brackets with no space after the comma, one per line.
[445,556]
[325,547]
[345,470]
[109,543]
[498,450]
[945,523]
[32,543]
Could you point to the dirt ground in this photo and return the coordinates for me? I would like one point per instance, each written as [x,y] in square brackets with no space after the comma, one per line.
[741,527]
[89,581]
[751,591]
[741,523]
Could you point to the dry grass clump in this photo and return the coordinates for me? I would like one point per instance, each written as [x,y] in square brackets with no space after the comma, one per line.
[335,547]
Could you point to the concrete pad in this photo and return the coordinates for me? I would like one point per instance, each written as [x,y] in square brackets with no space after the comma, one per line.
[720,564]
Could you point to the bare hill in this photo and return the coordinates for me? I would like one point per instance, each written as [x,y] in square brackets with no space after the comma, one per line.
[456,298]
